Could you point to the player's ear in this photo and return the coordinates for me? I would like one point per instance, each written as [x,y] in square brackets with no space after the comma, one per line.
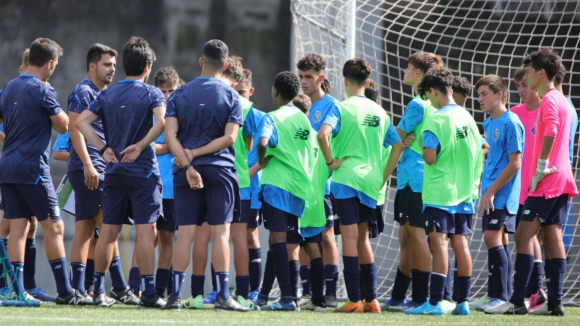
[345,82]
[367,83]
[92,66]
[20,69]
[201,61]
[226,65]
[251,91]
[321,78]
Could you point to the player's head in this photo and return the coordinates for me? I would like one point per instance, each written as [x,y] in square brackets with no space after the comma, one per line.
[311,73]
[559,78]
[417,66]
[491,92]
[303,102]
[244,85]
[25,62]
[286,87]
[437,84]
[373,91]
[102,63]
[138,57]
[44,53]
[167,80]
[461,90]
[181,82]
[526,94]
[214,56]
[233,72]
[541,67]
[356,73]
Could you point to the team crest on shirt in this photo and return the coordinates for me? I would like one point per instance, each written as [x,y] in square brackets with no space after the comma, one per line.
[496,135]
[317,117]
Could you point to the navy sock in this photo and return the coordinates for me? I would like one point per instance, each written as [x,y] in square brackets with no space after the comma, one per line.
[455,276]
[170,281]
[331,278]
[89,276]
[524,264]
[243,285]
[361,284]
[280,260]
[351,278]
[77,277]
[197,284]
[100,282]
[255,269]
[223,285]
[498,261]
[2,270]
[116,272]
[420,290]
[463,288]
[368,273]
[63,287]
[305,279]
[148,286]
[510,270]
[436,288]
[557,278]
[490,285]
[134,279]
[178,279]
[213,279]
[401,286]
[317,279]
[30,262]
[269,275]
[536,279]
[294,273]
[547,265]
[162,277]
[447,292]
[18,269]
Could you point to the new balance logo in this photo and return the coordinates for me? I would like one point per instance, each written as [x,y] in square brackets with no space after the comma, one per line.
[58,267]
[302,134]
[257,260]
[461,133]
[114,264]
[527,212]
[371,121]
[151,282]
[80,269]
[494,221]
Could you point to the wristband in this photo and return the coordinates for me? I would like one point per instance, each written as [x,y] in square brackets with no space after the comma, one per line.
[102,150]
[330,162]
[542,165]
[187,166]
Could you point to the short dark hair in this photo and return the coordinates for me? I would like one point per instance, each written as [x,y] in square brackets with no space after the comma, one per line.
[559,78]
[357,70]
[372,92]
[25,57]
[311,61]
[495,83]
[437,77]
[215,53]
[235,70]
[425,61]
[287,84]
[326,86]
[246,78]
[96,52]
[544,59]
[136,55]
[302,102]
[461,86]
[42,50]
[166,76]
[519,74]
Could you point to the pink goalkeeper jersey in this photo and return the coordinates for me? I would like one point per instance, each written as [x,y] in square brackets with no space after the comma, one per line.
[555,120]
[528,119]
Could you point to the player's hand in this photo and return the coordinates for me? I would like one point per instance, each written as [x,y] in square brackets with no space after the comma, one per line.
[541,171]
[178,162]
[337,163]
[109,156]
[265,161]
[409,139]
[91,177]
[486,204]
[189,154]
[194,178]
[131,153]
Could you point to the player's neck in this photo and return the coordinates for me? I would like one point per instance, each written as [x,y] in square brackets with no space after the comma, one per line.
[316,95]
[533,105]
[545,87]
[210,73]
[138,78]
[39,72]
[445,100]
[100,85]
[497,111]
[355,91]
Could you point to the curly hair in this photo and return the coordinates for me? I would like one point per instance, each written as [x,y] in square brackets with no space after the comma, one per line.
[373,91]
[234,71]
[544,59]
[166,76]
[358,70]
[311,61]
[439,78]
[425,61]
[287,84]
[302,102]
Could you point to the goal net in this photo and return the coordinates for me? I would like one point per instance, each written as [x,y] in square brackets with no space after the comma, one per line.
[474,38]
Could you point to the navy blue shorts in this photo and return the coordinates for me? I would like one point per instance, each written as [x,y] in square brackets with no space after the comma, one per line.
[313,239]
[498,218]
[167,222]
[137,197]
[549,211]
[350,211]
[277,220]
[444,222]
[26,201]
[409,206]
[1,204]
[214,203]
[87,202]
[256,218]
[328,211]
[245,213]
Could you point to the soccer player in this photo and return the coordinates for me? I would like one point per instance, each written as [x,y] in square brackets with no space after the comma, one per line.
[558,84]
[450,135]
[204,117]
[414,248]
[29,103]
[132,180]
[500,181]
[314,84]
[551,187]
[360,129]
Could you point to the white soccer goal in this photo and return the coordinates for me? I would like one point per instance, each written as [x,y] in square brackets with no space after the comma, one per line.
[474,38]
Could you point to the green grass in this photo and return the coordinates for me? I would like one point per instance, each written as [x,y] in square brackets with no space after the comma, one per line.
[123,315]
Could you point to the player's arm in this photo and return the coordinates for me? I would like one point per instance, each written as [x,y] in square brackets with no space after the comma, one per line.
[249,130]
[132,152]
[171,128]
[83,125]
[58,117]
[60,122]
[60,156]
[2,137]
[411,118]
[513,166]
[255,169]
[216,145]
[161,149]
[429,144]
[79,144]
[262,147]
[249,141]
[392,139]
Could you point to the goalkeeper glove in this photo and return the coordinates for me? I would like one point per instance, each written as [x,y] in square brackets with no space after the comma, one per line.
[541,171]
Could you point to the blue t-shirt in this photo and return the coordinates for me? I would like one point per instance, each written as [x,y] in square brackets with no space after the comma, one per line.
[79,100]
[165,162]
[411,166]
[319,110]
[505,136]
[62,143]
[126,110]
[248,130]
[253,158]
[573,129]
[203,107]
[26,105]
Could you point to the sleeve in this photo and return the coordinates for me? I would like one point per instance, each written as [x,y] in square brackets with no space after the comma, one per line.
[62,143]
[249,124]
[268,131]
[392,137]
[550,119]
[95,106]
[412,116]
[333,120]
[431,141]
[157,98]
[482,141]
[50,102]
[79,101]
[171,109]
[236,115]
[514,138]
[2,127]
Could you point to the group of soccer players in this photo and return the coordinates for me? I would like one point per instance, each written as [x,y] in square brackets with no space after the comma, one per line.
[197,157]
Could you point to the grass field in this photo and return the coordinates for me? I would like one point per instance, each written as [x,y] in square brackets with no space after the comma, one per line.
[123,315]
